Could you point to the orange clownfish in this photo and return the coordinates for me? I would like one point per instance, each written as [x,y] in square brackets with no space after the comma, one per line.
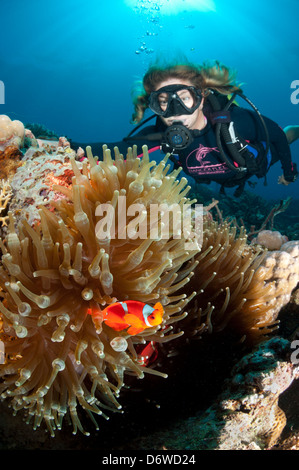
[134,315]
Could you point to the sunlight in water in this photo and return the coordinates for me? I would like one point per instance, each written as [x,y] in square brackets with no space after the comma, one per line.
[169,7]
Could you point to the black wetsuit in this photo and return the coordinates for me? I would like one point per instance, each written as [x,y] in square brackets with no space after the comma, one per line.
[202,159]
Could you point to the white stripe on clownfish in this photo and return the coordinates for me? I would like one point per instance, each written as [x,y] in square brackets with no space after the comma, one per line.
[146,312]
[124,306]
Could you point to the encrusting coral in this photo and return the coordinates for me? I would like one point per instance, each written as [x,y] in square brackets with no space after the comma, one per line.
[58,356]
[55,269]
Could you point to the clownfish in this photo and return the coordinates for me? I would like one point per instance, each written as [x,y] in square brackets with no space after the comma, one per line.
[132,314]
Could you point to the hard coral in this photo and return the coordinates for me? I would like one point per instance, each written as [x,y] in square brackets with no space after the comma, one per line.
[58,356]
[11,132]
[281,269]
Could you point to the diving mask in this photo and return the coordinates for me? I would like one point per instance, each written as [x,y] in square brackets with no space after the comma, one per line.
[175,100]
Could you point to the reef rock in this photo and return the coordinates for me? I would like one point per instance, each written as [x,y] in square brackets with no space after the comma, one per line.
[246,415]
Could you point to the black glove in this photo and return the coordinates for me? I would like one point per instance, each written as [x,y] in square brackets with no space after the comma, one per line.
[291,176]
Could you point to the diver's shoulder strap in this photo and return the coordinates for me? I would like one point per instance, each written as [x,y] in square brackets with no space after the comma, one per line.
[242,159]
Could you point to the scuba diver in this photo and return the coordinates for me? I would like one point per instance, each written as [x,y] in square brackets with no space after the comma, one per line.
[203,128]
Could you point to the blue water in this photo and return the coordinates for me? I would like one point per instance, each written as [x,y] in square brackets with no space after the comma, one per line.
[72,65]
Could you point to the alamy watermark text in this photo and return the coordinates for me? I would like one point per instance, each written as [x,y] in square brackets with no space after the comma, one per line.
[155,222]
[2,92]
[295,94]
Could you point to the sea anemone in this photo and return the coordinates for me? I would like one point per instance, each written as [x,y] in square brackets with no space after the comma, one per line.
[240,288]
[55,269]
[57,356]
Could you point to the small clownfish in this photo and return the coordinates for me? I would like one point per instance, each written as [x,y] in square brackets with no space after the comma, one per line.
[147,354]
[132,314]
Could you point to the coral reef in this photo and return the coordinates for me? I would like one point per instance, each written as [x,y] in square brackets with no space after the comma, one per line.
[252,211]
[54,269]
[58,356]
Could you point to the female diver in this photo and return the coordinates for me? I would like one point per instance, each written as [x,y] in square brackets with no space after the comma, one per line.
[207,133]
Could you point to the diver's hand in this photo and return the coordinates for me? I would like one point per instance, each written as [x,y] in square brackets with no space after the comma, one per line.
[282,180]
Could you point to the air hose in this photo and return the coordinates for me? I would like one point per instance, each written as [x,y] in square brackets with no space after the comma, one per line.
[222,130]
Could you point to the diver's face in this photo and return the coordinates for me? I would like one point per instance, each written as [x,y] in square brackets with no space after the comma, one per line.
[192,121]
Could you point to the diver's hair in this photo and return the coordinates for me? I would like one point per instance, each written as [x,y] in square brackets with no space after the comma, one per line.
[205,77]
